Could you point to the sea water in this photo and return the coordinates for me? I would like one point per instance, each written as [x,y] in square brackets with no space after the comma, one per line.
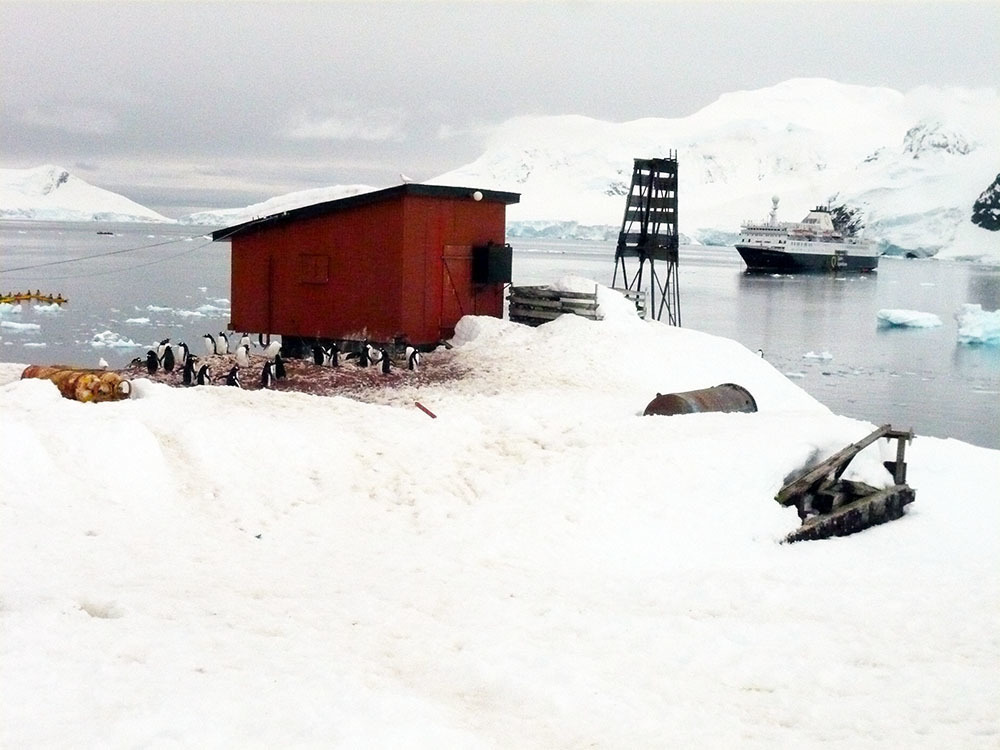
[147,282]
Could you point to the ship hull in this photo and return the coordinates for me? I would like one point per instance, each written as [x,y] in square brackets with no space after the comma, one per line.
[765,260]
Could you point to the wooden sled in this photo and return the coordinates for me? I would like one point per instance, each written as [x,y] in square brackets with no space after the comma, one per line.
[831,506]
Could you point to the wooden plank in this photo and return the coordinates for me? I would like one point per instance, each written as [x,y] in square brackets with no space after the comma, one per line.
[828,470]
[871,510]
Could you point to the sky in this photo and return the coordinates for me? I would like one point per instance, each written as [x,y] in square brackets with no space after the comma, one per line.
[184,106]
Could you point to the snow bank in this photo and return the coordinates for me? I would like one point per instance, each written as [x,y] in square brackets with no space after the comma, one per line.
[538,567]
[908,318]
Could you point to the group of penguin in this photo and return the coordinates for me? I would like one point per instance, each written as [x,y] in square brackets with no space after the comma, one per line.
[367,356]
[163,357]
[274,368]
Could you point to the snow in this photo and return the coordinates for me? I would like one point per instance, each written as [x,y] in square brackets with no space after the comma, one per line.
[51,193]
[978,326]
[537,567]
[914,163]
[908,318]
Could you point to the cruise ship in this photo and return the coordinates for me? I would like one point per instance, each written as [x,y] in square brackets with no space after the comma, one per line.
[813,244]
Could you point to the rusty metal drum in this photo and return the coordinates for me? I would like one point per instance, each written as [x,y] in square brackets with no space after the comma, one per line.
[727,397]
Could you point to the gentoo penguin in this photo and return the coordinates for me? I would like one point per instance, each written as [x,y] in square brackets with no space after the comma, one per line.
[233,377]
[162,348]
[204,376]
[279,367]
[333,355]
[245,341]
[373,354]
[188,376]
[364,356]
[222,343]
[260,340]
[167,359]
[102,363]
[384,359]
[243,355]
[272,349]
[317,354]
[267,376]
[412,358]
[152,361]
[185,353]
[210,345]
[761,353]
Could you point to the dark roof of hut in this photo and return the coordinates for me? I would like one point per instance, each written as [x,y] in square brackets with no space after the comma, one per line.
[362,199]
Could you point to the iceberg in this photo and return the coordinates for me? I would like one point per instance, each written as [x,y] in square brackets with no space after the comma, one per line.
[908,318]
[978,326]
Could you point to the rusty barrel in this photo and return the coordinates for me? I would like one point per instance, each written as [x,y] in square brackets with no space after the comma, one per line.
[725,397]
[82,385]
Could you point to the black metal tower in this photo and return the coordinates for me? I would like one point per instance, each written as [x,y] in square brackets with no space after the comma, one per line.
[649,233]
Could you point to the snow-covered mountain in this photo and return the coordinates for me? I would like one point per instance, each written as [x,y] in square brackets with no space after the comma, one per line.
[224,217]
[51,193]
[914,163]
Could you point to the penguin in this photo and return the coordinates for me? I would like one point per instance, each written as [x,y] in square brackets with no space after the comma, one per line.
[760,353]
[373,354]
[167,360]
[272,349]
[137,362]
[204,376]
[222,343]
[317,354]
[210,345]
[185,353]
[245,341]
[412,358]
[243,355]
[279,367]
[233,377]
[260,340]
[188,375]
[384,358]
[152,361]
[267,376]
[162,348]
[364,358]
[333,355]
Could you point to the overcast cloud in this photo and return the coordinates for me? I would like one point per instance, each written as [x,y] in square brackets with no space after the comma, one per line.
[189,105]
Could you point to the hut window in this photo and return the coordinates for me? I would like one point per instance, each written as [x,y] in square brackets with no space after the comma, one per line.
[314,269]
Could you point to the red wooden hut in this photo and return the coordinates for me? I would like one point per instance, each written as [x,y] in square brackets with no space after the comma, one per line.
[393,265]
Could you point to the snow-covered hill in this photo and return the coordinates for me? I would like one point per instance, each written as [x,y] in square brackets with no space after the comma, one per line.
[51,193]
[914,163]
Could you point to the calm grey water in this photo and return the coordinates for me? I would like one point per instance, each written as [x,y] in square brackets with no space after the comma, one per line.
[177,284]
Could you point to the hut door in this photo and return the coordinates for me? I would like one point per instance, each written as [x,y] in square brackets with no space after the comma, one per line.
[456,286]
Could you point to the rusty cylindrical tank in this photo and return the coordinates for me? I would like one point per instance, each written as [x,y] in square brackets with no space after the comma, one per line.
[725,397]
[82,385]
